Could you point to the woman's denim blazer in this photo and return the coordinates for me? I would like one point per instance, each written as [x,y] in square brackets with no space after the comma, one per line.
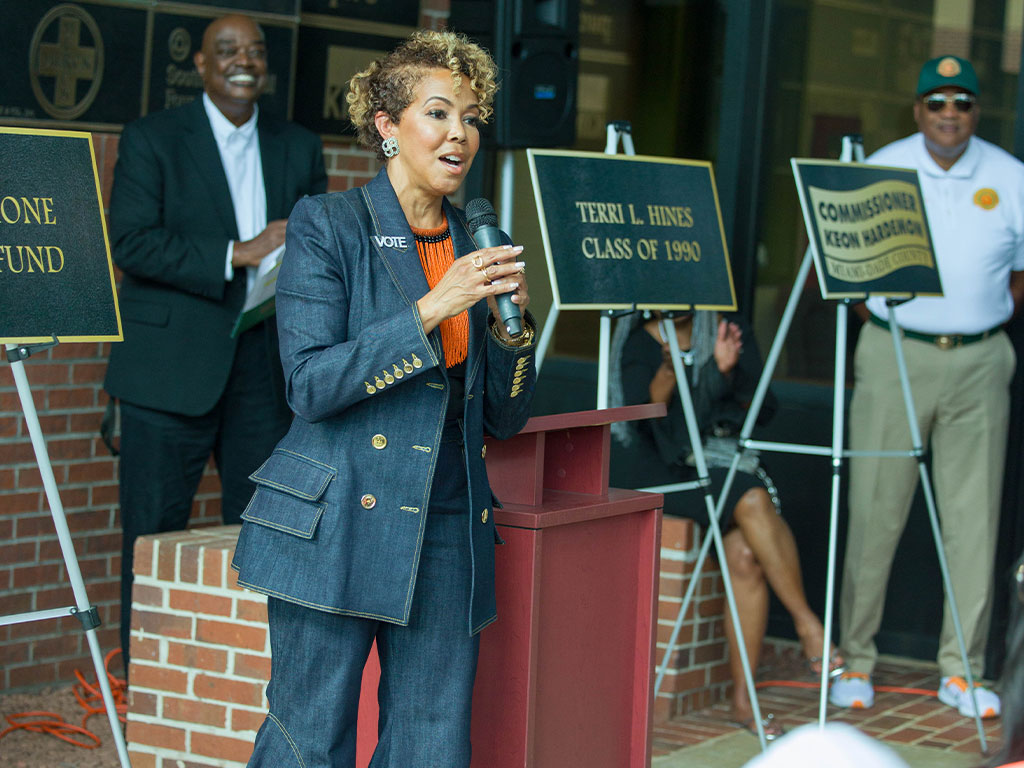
[337,519]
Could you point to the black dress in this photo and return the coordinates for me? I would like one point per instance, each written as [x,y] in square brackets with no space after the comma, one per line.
[659,451]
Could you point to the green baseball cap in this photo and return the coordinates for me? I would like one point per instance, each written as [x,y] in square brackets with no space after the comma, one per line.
[944,71]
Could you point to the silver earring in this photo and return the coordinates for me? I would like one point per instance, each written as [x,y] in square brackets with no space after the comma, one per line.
[390,146]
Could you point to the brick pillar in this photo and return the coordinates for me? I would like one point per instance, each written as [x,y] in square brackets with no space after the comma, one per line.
[200,654]
[698,670]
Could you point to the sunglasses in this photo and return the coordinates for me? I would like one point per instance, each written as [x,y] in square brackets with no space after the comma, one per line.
[936,102]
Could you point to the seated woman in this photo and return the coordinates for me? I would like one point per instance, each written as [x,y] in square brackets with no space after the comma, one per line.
[759,546]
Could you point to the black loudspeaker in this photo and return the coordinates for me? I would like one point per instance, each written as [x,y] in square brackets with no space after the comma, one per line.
[535,44]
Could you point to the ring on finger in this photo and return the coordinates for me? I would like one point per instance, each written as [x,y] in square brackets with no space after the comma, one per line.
[478,262]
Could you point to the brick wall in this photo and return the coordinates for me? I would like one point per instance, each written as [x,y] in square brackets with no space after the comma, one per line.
[201,651]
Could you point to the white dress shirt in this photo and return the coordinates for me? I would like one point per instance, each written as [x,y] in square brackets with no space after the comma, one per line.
[239,148]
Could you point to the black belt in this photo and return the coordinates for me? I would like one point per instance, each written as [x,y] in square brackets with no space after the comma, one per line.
[940,340]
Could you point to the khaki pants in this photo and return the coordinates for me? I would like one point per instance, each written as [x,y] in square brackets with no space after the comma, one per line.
[962,401]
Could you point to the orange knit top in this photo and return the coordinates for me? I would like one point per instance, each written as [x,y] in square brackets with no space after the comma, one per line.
[437,254]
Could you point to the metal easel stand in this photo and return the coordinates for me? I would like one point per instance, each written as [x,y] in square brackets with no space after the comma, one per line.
[669,332]
[82,610]
[837,454]
[933,518]
[835,451]
[620,129]
[616,131]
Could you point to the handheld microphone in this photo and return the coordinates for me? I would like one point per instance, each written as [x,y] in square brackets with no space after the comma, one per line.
[483,226]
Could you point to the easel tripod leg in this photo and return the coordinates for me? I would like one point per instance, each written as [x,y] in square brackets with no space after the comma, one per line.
[67,549]
[745,433]
[838,429]
[698,568]
[933,518]
[669,333]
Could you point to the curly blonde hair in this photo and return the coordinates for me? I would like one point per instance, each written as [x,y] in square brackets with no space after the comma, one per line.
[387,84]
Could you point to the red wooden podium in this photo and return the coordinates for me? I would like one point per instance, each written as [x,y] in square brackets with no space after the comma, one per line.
[566,673]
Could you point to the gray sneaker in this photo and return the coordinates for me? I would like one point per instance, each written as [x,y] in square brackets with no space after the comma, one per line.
[954,692]
[852,689]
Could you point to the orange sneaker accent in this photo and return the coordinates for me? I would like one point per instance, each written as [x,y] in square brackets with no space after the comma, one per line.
[959,682]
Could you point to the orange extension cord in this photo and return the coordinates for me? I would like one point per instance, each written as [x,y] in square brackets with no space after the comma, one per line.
[89,697]
[883,688]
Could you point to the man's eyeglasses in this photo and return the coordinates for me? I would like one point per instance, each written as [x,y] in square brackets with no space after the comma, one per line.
[962,102]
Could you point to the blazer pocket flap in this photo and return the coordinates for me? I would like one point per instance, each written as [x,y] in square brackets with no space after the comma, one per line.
[284,513]
[294,474]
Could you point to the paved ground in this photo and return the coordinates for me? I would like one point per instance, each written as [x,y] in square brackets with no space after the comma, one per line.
[24,749]
[935,734]
[924,731]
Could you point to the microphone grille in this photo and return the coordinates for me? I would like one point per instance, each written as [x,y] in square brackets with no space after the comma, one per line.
[480,213]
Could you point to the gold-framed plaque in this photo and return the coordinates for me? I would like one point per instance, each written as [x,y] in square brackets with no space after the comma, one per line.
[868,229]
[56,274]
[631,231]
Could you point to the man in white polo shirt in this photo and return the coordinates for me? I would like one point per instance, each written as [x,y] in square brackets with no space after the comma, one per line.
[960,364]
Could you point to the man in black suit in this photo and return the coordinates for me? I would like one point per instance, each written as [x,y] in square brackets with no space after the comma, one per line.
[201,195]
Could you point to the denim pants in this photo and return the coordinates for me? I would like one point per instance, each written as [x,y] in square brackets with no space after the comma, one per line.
[427,672]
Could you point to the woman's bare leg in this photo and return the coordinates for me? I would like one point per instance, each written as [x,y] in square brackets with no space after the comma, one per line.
[751,594]
[774,548]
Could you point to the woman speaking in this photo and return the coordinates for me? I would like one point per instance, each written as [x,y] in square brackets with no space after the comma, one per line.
[372,519]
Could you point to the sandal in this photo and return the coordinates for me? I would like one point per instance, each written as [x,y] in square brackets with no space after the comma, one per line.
[772,730]
[836,665]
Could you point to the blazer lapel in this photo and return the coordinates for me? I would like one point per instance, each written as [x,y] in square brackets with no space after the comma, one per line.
[208,166]
[273,156]
[392,239]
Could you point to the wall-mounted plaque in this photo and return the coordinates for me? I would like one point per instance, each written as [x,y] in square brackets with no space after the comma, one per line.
[287,7]
[104,63]
[405,12]
[85,62]
[329,59]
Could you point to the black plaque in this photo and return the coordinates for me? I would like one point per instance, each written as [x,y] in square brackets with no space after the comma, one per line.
[329,59]
[174,81]
[405,12]
[56,277]
[629,231]
[287,7]
[63,62]
[868,229]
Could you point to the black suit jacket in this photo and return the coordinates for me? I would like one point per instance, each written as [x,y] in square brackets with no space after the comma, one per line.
[171,219]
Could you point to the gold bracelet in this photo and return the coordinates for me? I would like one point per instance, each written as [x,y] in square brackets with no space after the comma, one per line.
[525,339]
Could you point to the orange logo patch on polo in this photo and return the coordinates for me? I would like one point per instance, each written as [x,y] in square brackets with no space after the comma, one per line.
[986,198]
[948,67]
